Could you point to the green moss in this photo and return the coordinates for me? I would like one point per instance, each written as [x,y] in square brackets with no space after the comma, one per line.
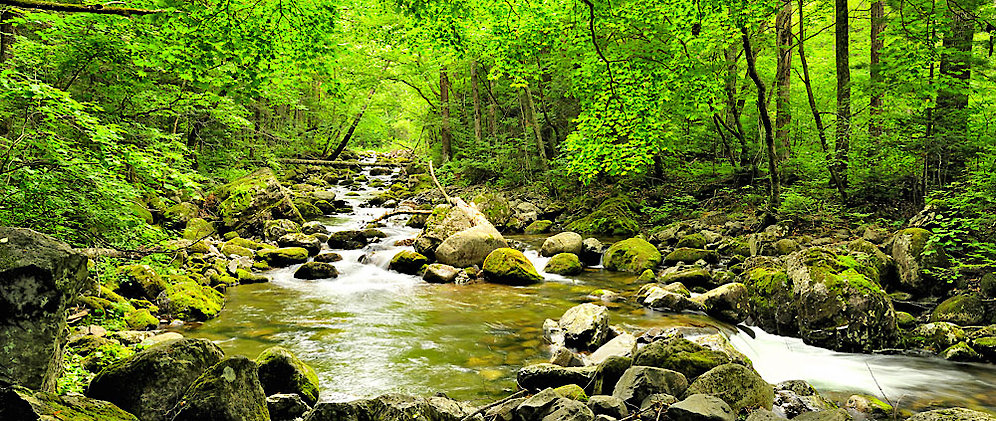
[633,255]
[280,371]
[510,266]
[538,227]
[690,255]
[964,309]
[647,276]
[191,301]
[695,241]
[494,207]
[249,244]
[407,261]
[141,319]
[197,229]
[765,284]
[918,239]
[615,216]
[283,256]
[238,196]
[181,212]
[572,391]
[564,264]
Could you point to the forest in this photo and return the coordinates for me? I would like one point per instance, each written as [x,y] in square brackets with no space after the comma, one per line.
[758,171]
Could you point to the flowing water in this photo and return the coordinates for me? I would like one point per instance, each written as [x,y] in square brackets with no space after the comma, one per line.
[373,331]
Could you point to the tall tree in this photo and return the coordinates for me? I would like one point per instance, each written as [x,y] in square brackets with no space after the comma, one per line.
[842,51]
[352,127]
[533,122]
[783,78]
[875,74]
[477,101]
[774,188]
[951,117]
[446,138]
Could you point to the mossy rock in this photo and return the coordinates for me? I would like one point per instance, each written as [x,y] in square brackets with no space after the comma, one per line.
[280,371]
[246,277]
[905,320]
[408,262]
[140,281]
[510,267]
[986,346]
[538,227]
[228,391]
[564,264]
[681,355]
[197,229]
[739,386]
[191,301]
[247,243]
[690,277]
[234,250]
[572,391]
[960,352]
[284,256]
[258,196]
[695,241]
[180,213]
[634,255]
[936,336]
[616,216]
[19,403]
[494,206]
[307,209]
[647,276]
[141,319]
[316,270]
[961,310]
[690,255]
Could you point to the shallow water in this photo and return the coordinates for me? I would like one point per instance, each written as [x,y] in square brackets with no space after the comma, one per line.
[372,331]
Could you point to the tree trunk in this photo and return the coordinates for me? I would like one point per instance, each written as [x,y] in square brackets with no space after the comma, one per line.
[843,135]
[732,108]
[6,34]
[951,117]
[534,123]
[477,102]
[762,110]
[783,78]
[352,128]
[820,128]
[875,74]
[444,112]
[492,113]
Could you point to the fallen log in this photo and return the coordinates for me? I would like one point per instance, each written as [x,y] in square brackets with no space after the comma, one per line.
[403,212]
[325,163]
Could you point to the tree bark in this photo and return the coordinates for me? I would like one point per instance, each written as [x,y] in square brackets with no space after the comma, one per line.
[875,74]
[732,107]
[783,79]
[477,101]
[951,117]
[534,123]
[6,34]
[446,139]
[352,128]
[842,146]
[762,109]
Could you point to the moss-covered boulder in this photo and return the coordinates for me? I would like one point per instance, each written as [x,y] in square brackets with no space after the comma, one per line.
[228,391]
[234,250]
[316,270]
[510,267]
[248,201]
[768,291]
[140,281]
[986,347]
[695,241]
[444,221]
[565,242]
[191,301]
[690,255]
[284,256]
[960,352]
[198,229]
[681,355]
[247,243]
[640,382]
[739,386]
[469,247]
[141,319]
[689,276]
[495,207]
[961,310]
[564,264]
[538,227]
[917,260]
[541,376]
[19,403]
[936,336]
[634,255]
[280,371]
[616,216]
[952,414]
[149,383]
[305,241]
[727,302]
[178,214]
[408,262]
[274,229]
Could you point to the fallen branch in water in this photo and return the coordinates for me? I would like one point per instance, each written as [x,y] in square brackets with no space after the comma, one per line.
[403,212]
[494,404]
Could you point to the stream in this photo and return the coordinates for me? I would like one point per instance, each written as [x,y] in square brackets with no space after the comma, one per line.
[373,331]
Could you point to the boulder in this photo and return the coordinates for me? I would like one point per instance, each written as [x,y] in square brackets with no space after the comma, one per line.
[347,240]
[140,281]
[316,270]
[690,255]
[40,278]
[571,391]
[438,273]
[591,252]
[607,374]
[952,414]
[228,391]
[149,383]
[961,352]
[828,415]
[273,230]
[681,355]
[244,203]
[794,397]
[537,406]
[538,227]
[470,247]
[639,382]
[314,227]
[915,259]
[616,216]
[700,407]
[282,257]
[608,405]
[964,310]
[634,255]
[727,303]
[565,242]
[280,371]
[391,407]
[328,257]
[444,221]
[690,276]
[495,207]
[564,264]
[937,336]
[191,301]
[585,326]
[510,267]
[565,409]
[198,229]
[296,239]
[286,407]
[18,403]
[544,375]
[565,357]
[660,298]
[178,214]
[695,241]
[622,345]
[741,387]
[870,406]
[407,262]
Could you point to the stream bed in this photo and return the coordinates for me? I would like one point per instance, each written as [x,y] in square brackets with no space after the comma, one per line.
[372,331]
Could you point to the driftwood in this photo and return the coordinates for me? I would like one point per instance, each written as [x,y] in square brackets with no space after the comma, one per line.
[402,212]
[321,162]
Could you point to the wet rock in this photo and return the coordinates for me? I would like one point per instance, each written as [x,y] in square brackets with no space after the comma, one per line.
[689,276]
[986,346]
[18,403]
[347,240]
[870,406]
[915,259]
[681,355]
[510,267]
[228,391]
[149,383]
[470,247]
[40,278]
[727,303]
[565,242]
[538,227]
[564,264]
[701,407]
[607,374]
[952,414]
[741,387]
[690,255]
[282,257]
[314,227]
[608,405]
[280,371]
[830,415]
[621,346]
[960,352]
[961,310]
[565,357]
[438,273]
[286,407]
[552,332]
[937,336]
[391,407]
[305,241]
[585,326]
[247,201]
[328,257]
[634,255]
[407,262]
[591,252]
[316,270]
[638,382]
[794,397]
[564,409]
[544,375]
[277,228]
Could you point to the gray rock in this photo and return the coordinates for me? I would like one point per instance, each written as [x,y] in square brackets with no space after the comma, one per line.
[315,227]
[638,382]
[832,415]
[391,407]
[700,407]
[728,302]
[316,270]
[607,374]
[305,241]
[470,247]
[585,326]
[504,411]
[741,387]
[151,382]
[438,273]
[764,415]
[591,252]
[544,375]
[565,357]
[608,405]
[274,229]
[564,409]
[18,403]
[40,278]
[228,391]
[537,406]
[657,401]
[286,406]
[565,242]
[622,345]
[952,414]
